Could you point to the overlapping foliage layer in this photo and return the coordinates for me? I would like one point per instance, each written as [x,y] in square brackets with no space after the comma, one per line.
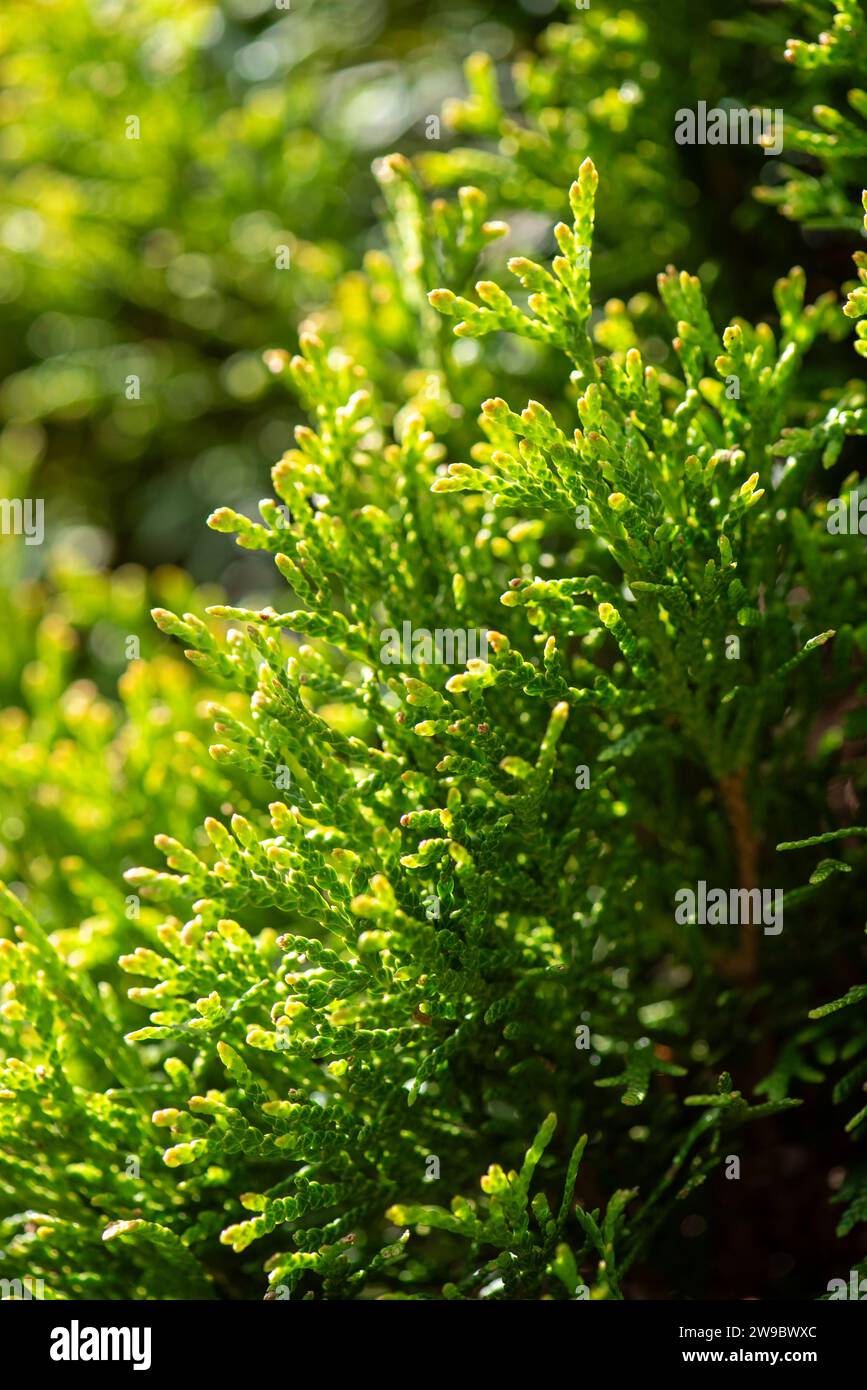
[412,945]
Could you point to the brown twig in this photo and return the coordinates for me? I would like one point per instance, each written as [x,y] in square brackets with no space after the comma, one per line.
[743,964]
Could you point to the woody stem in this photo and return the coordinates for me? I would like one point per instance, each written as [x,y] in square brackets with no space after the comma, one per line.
[733,789]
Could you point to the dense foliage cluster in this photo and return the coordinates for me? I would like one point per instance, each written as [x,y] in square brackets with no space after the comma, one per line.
[405,1009]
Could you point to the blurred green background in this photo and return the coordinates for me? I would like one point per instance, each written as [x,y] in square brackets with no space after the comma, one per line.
[156,257]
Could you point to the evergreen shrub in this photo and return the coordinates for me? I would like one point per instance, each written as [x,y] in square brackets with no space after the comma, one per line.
[420,1003]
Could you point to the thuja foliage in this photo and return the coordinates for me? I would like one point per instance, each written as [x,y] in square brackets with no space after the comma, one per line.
[825,112]
[408,1011]
[600,81]
[96,718]
[370,991]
